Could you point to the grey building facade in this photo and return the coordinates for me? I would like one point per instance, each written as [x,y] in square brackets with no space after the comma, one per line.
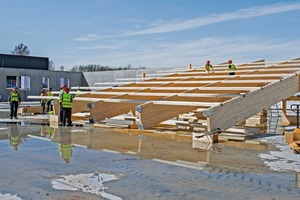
[31,75]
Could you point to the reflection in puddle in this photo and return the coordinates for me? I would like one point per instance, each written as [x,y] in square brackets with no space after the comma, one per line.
[89,183]
[162,147]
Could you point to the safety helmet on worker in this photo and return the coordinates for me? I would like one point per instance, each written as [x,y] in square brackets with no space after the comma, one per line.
[208,62]
[229,61]
[67,90]
[64,86]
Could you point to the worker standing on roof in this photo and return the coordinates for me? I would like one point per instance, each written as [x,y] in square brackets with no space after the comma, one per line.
[14,99]
[231,67]
[66,100]
[62,91]
[49,101]
[208,67]
[43,101]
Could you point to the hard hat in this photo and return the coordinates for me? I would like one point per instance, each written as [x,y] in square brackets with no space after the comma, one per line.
[208,62]
[229,61]
[67,90]
[64,86]
[16,87]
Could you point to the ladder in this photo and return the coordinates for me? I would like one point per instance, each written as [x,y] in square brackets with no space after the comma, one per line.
[274,115]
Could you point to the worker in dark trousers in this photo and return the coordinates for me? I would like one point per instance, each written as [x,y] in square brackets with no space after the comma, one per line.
[43,102]
[231,68]
[49,101]
[66,101]
[14,99]
[62,91]
[208,67]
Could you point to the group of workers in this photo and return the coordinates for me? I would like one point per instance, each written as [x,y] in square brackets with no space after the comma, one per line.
[47,102]
[231,67]
[65,102]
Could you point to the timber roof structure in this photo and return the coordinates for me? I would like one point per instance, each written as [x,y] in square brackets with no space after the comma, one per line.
[210,100]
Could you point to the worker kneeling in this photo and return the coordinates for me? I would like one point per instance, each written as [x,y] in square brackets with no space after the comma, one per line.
[66,100]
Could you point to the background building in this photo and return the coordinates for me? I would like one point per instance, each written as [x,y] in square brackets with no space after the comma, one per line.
[30,74]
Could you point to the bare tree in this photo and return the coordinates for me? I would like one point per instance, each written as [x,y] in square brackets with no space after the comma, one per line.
[51,65]
[62,68]
[21,50]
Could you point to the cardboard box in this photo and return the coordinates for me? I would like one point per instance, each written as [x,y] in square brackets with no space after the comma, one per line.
[288,137]
[292,136]
[53,118]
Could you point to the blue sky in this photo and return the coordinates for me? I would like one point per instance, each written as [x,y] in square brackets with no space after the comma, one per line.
[152,33]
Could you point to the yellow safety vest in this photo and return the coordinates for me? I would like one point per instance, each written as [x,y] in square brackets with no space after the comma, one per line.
[67,100]
[232,67]
[14,96]
[208,67]
[50,94]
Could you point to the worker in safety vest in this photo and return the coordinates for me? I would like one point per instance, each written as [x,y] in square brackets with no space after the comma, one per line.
[14,99]
[49,101]
[62,91]
[208,67]
[66,101]
[231,67]
[43,102]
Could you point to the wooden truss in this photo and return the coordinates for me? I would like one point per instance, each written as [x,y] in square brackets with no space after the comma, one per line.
[216,99]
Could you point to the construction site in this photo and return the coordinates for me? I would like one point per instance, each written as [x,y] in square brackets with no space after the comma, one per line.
[177,134]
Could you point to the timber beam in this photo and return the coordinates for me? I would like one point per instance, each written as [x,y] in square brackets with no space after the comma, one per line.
[235,111]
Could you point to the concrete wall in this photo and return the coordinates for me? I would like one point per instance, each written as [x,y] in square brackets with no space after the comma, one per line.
[36,80]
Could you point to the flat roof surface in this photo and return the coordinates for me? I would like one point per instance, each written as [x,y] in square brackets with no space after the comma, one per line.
[109,164]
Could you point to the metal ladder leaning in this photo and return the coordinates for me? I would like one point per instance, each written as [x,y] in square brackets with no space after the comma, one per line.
[273,115]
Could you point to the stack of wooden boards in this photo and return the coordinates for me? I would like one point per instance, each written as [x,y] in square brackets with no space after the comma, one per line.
[293,139]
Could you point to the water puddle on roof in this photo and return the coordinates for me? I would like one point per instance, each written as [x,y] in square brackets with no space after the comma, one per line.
[282,159]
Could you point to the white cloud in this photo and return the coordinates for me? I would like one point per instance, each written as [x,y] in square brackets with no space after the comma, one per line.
[88,37]
[97,47]
[218,49]
[216,18]
[160,53]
